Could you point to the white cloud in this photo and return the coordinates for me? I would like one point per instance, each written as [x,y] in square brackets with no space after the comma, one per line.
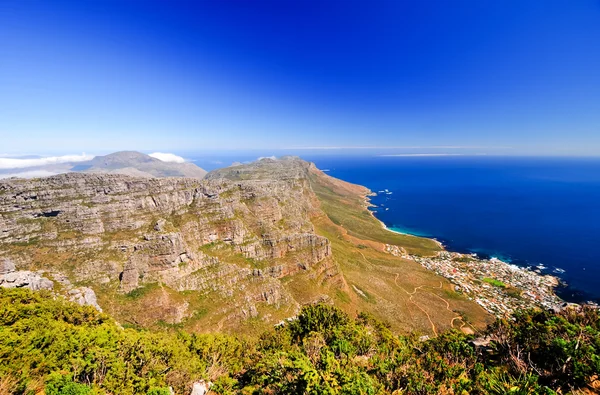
[29,174]
[16,163]
[166,157]
[273,157]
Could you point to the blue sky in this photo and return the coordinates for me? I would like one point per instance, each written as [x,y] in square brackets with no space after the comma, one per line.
[509,77]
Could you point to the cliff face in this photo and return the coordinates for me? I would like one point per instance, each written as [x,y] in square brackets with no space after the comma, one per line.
[232,240]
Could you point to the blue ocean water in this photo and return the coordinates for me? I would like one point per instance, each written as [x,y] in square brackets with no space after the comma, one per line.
[528,211]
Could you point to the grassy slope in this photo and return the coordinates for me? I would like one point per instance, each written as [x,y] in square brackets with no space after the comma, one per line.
[398,290]
[345,205]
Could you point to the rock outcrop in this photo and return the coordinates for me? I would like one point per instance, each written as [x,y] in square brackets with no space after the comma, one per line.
[25,279]
[10,277]
[84,296]
[201,388]
[7,266]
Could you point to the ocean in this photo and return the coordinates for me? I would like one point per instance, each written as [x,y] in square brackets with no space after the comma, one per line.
[542,213]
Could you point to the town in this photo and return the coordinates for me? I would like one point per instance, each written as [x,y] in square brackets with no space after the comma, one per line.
[497,286]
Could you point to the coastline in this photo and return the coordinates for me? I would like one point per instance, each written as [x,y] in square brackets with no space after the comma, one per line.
[439,243]
[384,226]
[499,287]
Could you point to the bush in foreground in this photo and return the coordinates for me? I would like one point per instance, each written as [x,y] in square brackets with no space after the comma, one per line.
[48,343]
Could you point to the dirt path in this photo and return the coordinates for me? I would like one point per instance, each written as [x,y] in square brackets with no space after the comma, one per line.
[458,317]
[364,257]
[441,286]
[427,314]
[220,324]
[410,296]
[414,291]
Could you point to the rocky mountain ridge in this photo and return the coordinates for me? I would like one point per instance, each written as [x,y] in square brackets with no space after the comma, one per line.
[212,236]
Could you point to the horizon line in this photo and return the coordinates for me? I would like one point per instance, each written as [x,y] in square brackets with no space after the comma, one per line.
[400,147]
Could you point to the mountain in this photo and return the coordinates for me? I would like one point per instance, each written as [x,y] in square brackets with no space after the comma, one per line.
[136,164]
[239,251]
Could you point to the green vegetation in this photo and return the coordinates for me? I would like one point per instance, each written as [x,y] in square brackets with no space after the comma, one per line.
[494,282]
[348,209]
[48,344]
[141,291]
[464,259]
[59,384]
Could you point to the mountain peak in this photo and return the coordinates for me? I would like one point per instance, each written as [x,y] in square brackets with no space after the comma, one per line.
[138,164]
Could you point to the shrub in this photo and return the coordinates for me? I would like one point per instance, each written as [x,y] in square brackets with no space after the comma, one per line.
[159,391]
[59,384]
[68,349]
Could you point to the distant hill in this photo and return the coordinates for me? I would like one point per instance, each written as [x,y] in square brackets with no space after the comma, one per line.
[286,167]
[136,164]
